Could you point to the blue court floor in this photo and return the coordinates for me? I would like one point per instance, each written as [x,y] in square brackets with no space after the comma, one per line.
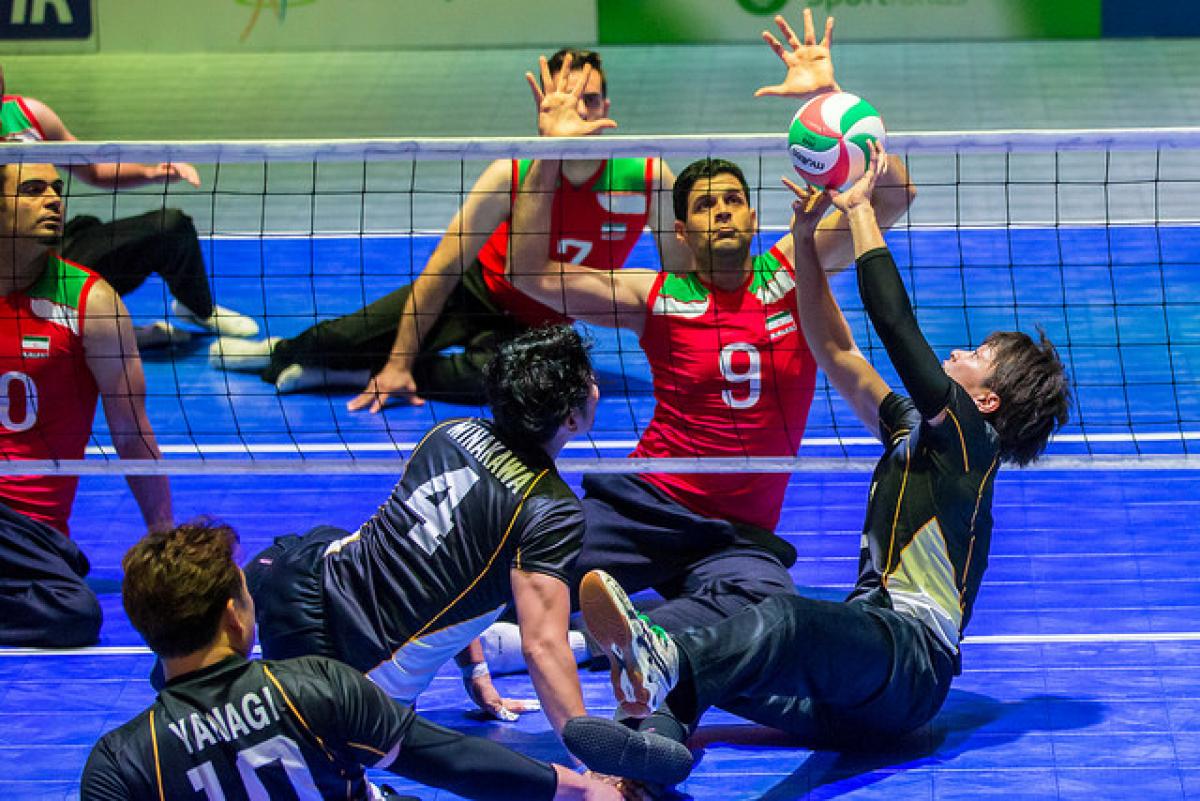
[1081,666]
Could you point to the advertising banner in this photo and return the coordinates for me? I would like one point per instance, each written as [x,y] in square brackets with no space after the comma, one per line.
[681,21]
[46,26]
[297,25]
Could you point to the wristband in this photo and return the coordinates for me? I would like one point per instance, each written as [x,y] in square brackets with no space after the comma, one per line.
[476,670]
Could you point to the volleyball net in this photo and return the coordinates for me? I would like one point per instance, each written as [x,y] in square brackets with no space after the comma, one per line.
[1093,236]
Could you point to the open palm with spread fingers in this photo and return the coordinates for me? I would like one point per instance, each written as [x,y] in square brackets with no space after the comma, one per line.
[558,100]
[809,63]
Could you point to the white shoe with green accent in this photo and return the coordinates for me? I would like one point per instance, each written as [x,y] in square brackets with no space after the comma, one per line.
[643,658]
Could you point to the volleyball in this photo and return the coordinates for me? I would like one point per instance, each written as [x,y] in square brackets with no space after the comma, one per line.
[829,139]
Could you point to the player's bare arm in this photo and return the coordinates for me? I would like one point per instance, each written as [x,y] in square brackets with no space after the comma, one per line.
[111,176]
[825,327]
[543,605]
[486,207]
[611,298]
[113,358]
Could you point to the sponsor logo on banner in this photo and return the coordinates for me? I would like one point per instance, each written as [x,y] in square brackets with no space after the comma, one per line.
[45,19]
[780,324]
[277,8]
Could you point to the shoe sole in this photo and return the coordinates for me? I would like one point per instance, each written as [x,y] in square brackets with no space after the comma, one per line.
[606,610]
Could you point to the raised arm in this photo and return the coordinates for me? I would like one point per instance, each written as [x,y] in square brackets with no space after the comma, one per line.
[887,304]
[825,327]
[110,176]
[612,298]
[112,356]
[486,207]
[809,66]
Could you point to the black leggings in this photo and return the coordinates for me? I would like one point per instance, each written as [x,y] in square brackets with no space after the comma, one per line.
[126,251]
[363,340]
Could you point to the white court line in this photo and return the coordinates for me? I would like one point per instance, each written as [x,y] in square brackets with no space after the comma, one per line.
[984,639]
[586,445]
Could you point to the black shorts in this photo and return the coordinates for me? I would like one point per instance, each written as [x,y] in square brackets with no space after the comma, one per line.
[285,581]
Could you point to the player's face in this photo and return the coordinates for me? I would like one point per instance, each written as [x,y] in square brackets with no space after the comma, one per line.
[720,222]
[32,207]
[971,369]
[593,105]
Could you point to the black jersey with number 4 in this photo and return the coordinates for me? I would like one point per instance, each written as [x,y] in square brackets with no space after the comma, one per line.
[470,507]
[239,729]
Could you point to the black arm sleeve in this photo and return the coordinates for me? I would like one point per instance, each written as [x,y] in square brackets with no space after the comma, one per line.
[886,301]
[471,766]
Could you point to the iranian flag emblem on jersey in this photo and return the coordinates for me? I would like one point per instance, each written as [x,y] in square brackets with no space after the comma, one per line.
[35,347]
[780,324]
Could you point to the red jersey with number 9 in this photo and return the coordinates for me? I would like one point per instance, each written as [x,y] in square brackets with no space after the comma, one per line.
[595,224]
[733,377]
[47,391]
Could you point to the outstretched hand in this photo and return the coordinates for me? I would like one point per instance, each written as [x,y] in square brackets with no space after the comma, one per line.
[170,172]
[809,63]
[860,192]
[558,102]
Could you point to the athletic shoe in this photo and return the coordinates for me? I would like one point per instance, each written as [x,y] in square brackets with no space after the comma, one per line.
[643,658]
[243,355]
[298,378]
[159,334]
[608,747]
[223,322]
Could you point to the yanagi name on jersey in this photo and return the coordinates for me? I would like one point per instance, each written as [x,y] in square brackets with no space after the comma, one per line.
[255,712]
[493,455]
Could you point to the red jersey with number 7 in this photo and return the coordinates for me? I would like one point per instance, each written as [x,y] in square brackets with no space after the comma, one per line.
[733,377]
[47,391]
[595,224]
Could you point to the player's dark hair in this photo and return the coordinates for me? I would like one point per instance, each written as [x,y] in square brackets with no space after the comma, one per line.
[579,59]
[1035,394]
[536,380]
[704,168]
[177,584]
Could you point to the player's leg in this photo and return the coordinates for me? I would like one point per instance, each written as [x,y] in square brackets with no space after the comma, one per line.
[720,585]
[44,601]
[127,250]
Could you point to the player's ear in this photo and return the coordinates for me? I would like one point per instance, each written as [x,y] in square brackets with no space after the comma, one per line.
[987,401]
[681,231]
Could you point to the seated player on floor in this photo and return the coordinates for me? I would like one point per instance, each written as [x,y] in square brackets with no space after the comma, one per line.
[879,664]
[479,519]
[227,726]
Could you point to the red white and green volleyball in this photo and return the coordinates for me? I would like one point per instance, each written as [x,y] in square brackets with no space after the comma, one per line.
[829,139]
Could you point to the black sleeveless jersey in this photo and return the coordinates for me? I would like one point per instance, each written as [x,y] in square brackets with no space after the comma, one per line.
[470,507]
[299,728]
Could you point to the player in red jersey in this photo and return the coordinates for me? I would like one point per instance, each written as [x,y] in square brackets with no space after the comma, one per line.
[65,341]
[125,251]
[397,346]
[732,375]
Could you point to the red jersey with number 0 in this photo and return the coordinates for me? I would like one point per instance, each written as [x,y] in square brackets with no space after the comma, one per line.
[733,377]
[595,224]
[47,391]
